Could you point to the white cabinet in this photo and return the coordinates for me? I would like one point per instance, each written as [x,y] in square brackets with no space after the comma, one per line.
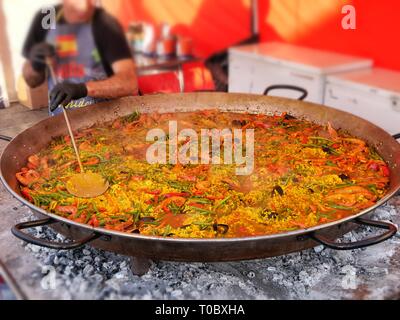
[371,94]
[253,68]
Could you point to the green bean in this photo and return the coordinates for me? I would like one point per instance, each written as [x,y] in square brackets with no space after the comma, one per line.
[222,202]
[339,207]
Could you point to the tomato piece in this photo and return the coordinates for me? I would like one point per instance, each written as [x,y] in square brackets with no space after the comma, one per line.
[373,166]
[385,171]
[117,124]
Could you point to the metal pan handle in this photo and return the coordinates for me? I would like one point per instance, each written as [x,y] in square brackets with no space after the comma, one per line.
[16,231]
[289,87]
[392,229]
[5,138]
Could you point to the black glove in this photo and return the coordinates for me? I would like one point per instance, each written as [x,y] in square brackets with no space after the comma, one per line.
[64,92]
[38,54]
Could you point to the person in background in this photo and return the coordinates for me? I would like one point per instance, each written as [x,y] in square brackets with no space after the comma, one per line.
[90,55]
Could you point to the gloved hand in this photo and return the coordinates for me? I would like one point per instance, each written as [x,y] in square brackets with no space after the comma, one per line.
[64,92]
[38,54]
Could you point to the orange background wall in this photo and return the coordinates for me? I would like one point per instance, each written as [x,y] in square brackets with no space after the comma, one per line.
[216,24]
[317,24]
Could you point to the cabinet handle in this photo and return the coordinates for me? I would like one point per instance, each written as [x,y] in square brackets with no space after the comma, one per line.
[286,86]
[331,94]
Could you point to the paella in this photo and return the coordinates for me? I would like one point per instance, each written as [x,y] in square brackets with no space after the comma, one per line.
[304,174]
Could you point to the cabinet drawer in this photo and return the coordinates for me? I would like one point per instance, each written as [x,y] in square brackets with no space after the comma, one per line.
[380,110]
[253,75]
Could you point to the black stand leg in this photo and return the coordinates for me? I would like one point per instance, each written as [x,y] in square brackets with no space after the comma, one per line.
[140,265]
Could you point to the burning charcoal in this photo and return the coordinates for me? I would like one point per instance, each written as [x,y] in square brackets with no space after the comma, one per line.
[88,270]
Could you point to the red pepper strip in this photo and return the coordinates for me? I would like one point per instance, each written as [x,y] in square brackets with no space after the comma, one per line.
[94,222]
[261,125]
[176,194]
[91,161]
[214,198]
[166,209]
[304,139]
[154,192]
[26,193]
[196,204]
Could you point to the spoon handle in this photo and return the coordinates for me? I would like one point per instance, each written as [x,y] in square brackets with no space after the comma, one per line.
[73,139]
[54,78]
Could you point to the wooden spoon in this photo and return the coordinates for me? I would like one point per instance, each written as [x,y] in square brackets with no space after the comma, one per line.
[83,184]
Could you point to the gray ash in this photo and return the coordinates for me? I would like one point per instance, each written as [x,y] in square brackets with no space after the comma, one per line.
[318,273]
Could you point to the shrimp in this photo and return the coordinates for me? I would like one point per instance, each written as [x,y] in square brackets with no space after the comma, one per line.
[33,161]
[91,161]
[350,196]
[67,209]
[332,132]
[85,146]
[28,177]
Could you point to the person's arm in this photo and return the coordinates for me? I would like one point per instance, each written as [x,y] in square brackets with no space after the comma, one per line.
[122,83]
[35,50]
[32,77]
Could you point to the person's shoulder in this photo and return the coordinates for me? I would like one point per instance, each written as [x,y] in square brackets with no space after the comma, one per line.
[103,18]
